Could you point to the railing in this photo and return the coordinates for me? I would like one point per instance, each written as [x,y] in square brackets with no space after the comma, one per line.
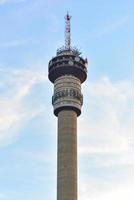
[65,62]
[68,93]
[72,50]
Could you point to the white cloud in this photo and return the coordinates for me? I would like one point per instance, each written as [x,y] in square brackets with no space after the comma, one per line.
[108,124]
[100,190]
[106,140]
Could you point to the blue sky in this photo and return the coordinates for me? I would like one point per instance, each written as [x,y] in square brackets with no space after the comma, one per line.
[30,33]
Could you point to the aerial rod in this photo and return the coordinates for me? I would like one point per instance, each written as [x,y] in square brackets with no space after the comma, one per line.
[67,31]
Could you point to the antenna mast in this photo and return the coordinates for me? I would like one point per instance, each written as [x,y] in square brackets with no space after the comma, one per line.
[67,31]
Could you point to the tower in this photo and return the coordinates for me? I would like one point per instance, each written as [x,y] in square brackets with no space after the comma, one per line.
[67,71]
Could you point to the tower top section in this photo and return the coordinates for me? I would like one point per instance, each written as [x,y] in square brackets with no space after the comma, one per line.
[68,60]
[67,31]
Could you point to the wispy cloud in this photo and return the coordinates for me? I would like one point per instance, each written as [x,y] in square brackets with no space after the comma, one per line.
[38,156]
[3,196]
[109,28]
[16,43]
[2,2]
[110,119]
[18,85]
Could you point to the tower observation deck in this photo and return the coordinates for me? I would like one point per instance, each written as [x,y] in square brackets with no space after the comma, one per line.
[67,71]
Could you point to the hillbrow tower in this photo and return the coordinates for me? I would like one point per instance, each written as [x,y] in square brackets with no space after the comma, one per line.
[67,70]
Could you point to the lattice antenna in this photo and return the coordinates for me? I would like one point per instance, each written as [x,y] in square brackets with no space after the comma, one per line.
[67,31]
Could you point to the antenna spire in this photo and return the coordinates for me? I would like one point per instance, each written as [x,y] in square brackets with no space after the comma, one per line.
[67,31]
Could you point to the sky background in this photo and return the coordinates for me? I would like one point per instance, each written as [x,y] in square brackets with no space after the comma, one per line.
[30,33]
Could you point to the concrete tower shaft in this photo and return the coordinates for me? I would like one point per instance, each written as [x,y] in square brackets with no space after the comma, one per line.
[67,155]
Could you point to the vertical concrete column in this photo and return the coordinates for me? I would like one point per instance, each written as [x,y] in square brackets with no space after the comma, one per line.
[67,155]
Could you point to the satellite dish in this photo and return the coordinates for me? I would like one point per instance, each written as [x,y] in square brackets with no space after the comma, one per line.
[77,59]
[70,62]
